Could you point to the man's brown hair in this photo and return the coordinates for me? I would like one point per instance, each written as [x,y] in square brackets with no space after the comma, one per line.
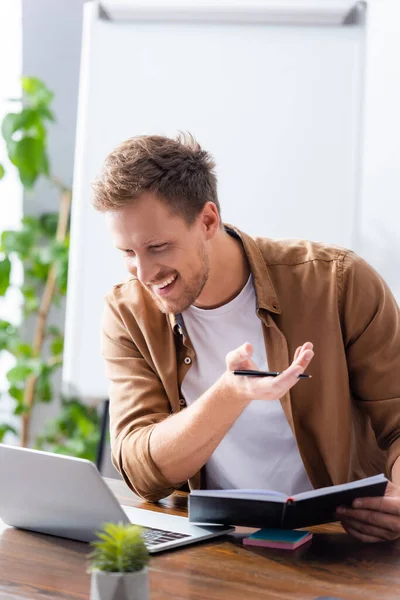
[177,170]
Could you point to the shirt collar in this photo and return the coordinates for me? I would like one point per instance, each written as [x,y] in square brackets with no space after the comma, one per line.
[265,291]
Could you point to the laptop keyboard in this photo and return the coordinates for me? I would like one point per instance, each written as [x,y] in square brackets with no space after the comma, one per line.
[153,537]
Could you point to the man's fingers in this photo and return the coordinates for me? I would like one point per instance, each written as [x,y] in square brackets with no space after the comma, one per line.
[388,504]
[237,358]
[264,388]
[303,360]
[290,376]
[281,384]
[306,350]
[363,537]
[387,524]
[306,346]
[363,528]
[296,354]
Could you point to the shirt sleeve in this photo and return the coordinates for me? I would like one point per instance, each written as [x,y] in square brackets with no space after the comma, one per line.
[371,331]
[138,402]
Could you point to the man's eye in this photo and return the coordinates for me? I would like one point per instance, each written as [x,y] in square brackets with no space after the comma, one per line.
[158,247]
[129,252]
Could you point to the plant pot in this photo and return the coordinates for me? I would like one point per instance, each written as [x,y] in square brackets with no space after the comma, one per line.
[120,586]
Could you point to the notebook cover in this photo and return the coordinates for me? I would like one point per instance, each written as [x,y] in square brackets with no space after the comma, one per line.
[249,513]
[275,513]
[315,511]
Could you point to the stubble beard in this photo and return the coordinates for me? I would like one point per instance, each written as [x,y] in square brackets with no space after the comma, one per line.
[192,289]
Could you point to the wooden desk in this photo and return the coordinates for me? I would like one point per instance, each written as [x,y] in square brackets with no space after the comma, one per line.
[41,567]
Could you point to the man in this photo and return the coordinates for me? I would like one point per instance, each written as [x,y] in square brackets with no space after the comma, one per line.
[205,299]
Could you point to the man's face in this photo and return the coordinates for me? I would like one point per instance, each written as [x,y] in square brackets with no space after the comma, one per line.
[169,257]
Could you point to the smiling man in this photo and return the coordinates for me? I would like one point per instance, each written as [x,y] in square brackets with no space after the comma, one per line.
[205,299]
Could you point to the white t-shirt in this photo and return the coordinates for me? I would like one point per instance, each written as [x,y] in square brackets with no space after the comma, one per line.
[259,451]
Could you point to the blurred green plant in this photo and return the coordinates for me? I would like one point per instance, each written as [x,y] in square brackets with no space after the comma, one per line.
[25,132]
[119,549]
[75,431]
[42,246]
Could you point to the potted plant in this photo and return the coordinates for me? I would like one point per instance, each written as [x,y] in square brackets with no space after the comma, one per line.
[118,564]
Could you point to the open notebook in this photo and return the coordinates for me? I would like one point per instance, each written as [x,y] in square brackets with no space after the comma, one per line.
[267,508]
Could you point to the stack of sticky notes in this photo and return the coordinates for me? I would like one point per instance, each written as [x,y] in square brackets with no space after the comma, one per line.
[284,539]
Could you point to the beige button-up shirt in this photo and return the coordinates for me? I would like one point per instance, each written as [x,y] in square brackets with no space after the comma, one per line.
[346,421]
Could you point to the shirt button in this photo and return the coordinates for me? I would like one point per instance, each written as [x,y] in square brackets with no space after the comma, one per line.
[182,402]
[187,360]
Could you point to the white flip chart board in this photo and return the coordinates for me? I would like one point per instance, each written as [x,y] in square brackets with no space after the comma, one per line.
[275,90]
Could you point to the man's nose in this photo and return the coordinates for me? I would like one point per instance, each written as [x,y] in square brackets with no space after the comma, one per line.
[146,270]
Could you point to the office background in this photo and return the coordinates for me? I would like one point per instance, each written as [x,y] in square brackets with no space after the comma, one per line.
[44,40]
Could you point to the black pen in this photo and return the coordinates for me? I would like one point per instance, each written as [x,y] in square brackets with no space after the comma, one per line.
[251,373]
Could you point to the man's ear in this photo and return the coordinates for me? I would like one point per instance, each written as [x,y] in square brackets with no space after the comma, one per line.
[210,220]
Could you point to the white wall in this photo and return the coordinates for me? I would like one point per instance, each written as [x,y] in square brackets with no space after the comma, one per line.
[277,106]
[378,238]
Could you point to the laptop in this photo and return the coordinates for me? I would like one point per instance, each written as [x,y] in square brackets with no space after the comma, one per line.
[67,497]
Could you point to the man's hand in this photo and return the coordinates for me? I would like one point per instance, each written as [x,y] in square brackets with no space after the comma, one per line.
[204,424]
[374,519]
[264,388]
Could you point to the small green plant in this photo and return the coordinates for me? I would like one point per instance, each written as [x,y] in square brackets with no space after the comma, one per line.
[119,549]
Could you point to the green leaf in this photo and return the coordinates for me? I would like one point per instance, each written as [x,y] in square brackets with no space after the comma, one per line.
[57,346]
[46,113]
[53,330]
[36,91]
[31,300]
[20,242]
[19,373]
[8,335]
[30,158]
[10,125]
[75,431]
[5,272]
[39,269]
[22,349]
[38,131]
[24,368]
[5,428]
[43,162]
[30,307]
[119,548]
[28,118]
[11,150]
[26,121]
[49,223]
[16,393]
[21,409]
[2,172]
[31,223]
[43,388]
[60,255]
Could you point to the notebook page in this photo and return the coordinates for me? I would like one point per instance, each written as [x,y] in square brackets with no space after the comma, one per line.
[245,494]
[341,487]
